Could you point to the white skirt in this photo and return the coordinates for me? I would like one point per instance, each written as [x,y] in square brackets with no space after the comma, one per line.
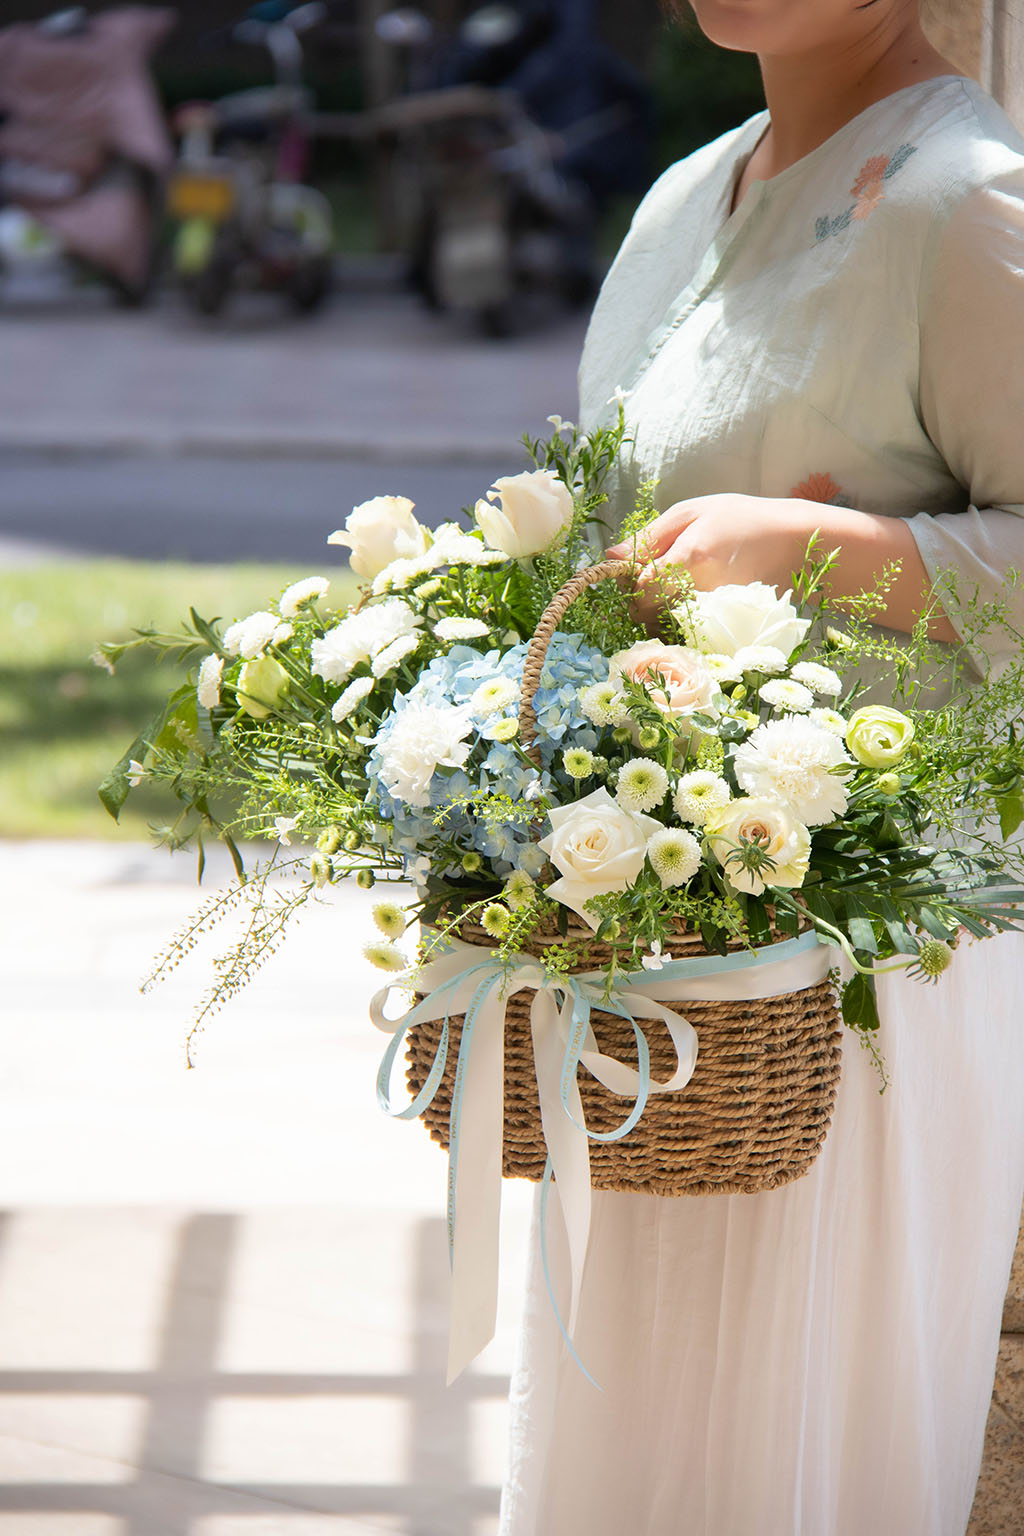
[817,1360]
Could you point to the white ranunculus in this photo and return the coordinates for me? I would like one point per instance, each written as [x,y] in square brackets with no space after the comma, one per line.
[534,511]
[596,847]
[423,738]
[360,637]
[879,736]
[754,819]
[731,617]
[293,597]
[379,531]
[794,761]
[208,683]
[249,637]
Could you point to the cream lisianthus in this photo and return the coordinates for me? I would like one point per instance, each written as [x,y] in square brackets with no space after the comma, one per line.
[794,762]
[379,531]
[261,686]
[597,847]
[879,736]
[731,617]
[759,843]
[532,514]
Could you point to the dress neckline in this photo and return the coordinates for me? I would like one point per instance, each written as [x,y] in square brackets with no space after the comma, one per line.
[746,143]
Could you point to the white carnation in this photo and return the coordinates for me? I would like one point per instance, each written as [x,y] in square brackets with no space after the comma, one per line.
[388,659]
[250,637]
[208,685]
[817,678]
[293,597]
[351,698]
[782,693]
[460,629]
[699,793]
[360,637]
[422,738]
[791,761]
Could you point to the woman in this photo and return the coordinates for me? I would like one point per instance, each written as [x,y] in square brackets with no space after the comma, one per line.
[818,320]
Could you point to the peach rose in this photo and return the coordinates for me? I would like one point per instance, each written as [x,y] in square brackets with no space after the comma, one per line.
[676,676]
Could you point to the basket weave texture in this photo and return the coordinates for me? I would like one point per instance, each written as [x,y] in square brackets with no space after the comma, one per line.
[753,1116]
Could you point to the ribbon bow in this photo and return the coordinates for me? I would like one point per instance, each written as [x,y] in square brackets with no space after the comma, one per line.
[460,983]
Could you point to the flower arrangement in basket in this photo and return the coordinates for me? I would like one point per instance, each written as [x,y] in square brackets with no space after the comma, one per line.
[635,857]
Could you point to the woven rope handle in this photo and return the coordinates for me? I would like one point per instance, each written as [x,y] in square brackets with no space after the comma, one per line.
[537,653]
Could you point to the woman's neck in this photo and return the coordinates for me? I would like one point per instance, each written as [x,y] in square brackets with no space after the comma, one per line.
[810,96]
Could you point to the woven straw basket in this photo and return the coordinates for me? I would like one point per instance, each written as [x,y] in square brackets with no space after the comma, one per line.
[754,1114]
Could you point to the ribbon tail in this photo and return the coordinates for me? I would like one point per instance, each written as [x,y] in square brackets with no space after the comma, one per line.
[568,1147]
[477,1117]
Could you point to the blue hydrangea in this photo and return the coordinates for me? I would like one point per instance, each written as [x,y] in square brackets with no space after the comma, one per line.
[452,678]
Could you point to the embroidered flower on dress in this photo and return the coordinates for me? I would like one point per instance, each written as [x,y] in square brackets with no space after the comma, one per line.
[822,488]
[868,189]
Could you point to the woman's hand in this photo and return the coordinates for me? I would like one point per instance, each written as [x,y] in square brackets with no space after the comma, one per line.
[726,539]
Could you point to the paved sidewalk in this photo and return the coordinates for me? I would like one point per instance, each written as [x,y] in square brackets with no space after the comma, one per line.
[222,1292]
[375,376]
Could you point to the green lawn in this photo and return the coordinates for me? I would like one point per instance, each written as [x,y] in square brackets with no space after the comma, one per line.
[63,720]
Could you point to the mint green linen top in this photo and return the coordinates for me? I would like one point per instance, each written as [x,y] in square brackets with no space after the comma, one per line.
[853,332]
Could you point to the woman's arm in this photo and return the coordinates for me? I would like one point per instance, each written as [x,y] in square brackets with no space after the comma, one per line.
[726,538]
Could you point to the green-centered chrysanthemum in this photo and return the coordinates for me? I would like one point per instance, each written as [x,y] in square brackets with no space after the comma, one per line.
[390,919]
[578,763]
[699,793]
[385,956]
[642,785]
[495,920]
[675,856]
[519,889]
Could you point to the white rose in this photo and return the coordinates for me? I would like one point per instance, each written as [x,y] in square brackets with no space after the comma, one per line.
[597,847]
[754,819]
[792,761]
[379,531]
[535,510]
[732,617]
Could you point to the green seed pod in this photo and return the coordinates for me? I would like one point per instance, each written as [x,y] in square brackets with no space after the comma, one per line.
[471,862]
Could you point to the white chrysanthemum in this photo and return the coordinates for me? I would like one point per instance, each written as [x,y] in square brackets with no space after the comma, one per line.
[699,793]
[782,693]
[454,546]
[421,739]
[394,577]
[208,684]
[604,704]
[817,678]
[349,700]
[642,784]
[493,696]
[725,669]
[495,920]
[829,720]
[307,591]
[791,761]
[459,629]
[502,730]
[249,637]
[388,659]
[384,955]
[674,856]
[760,658]
[361,636]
